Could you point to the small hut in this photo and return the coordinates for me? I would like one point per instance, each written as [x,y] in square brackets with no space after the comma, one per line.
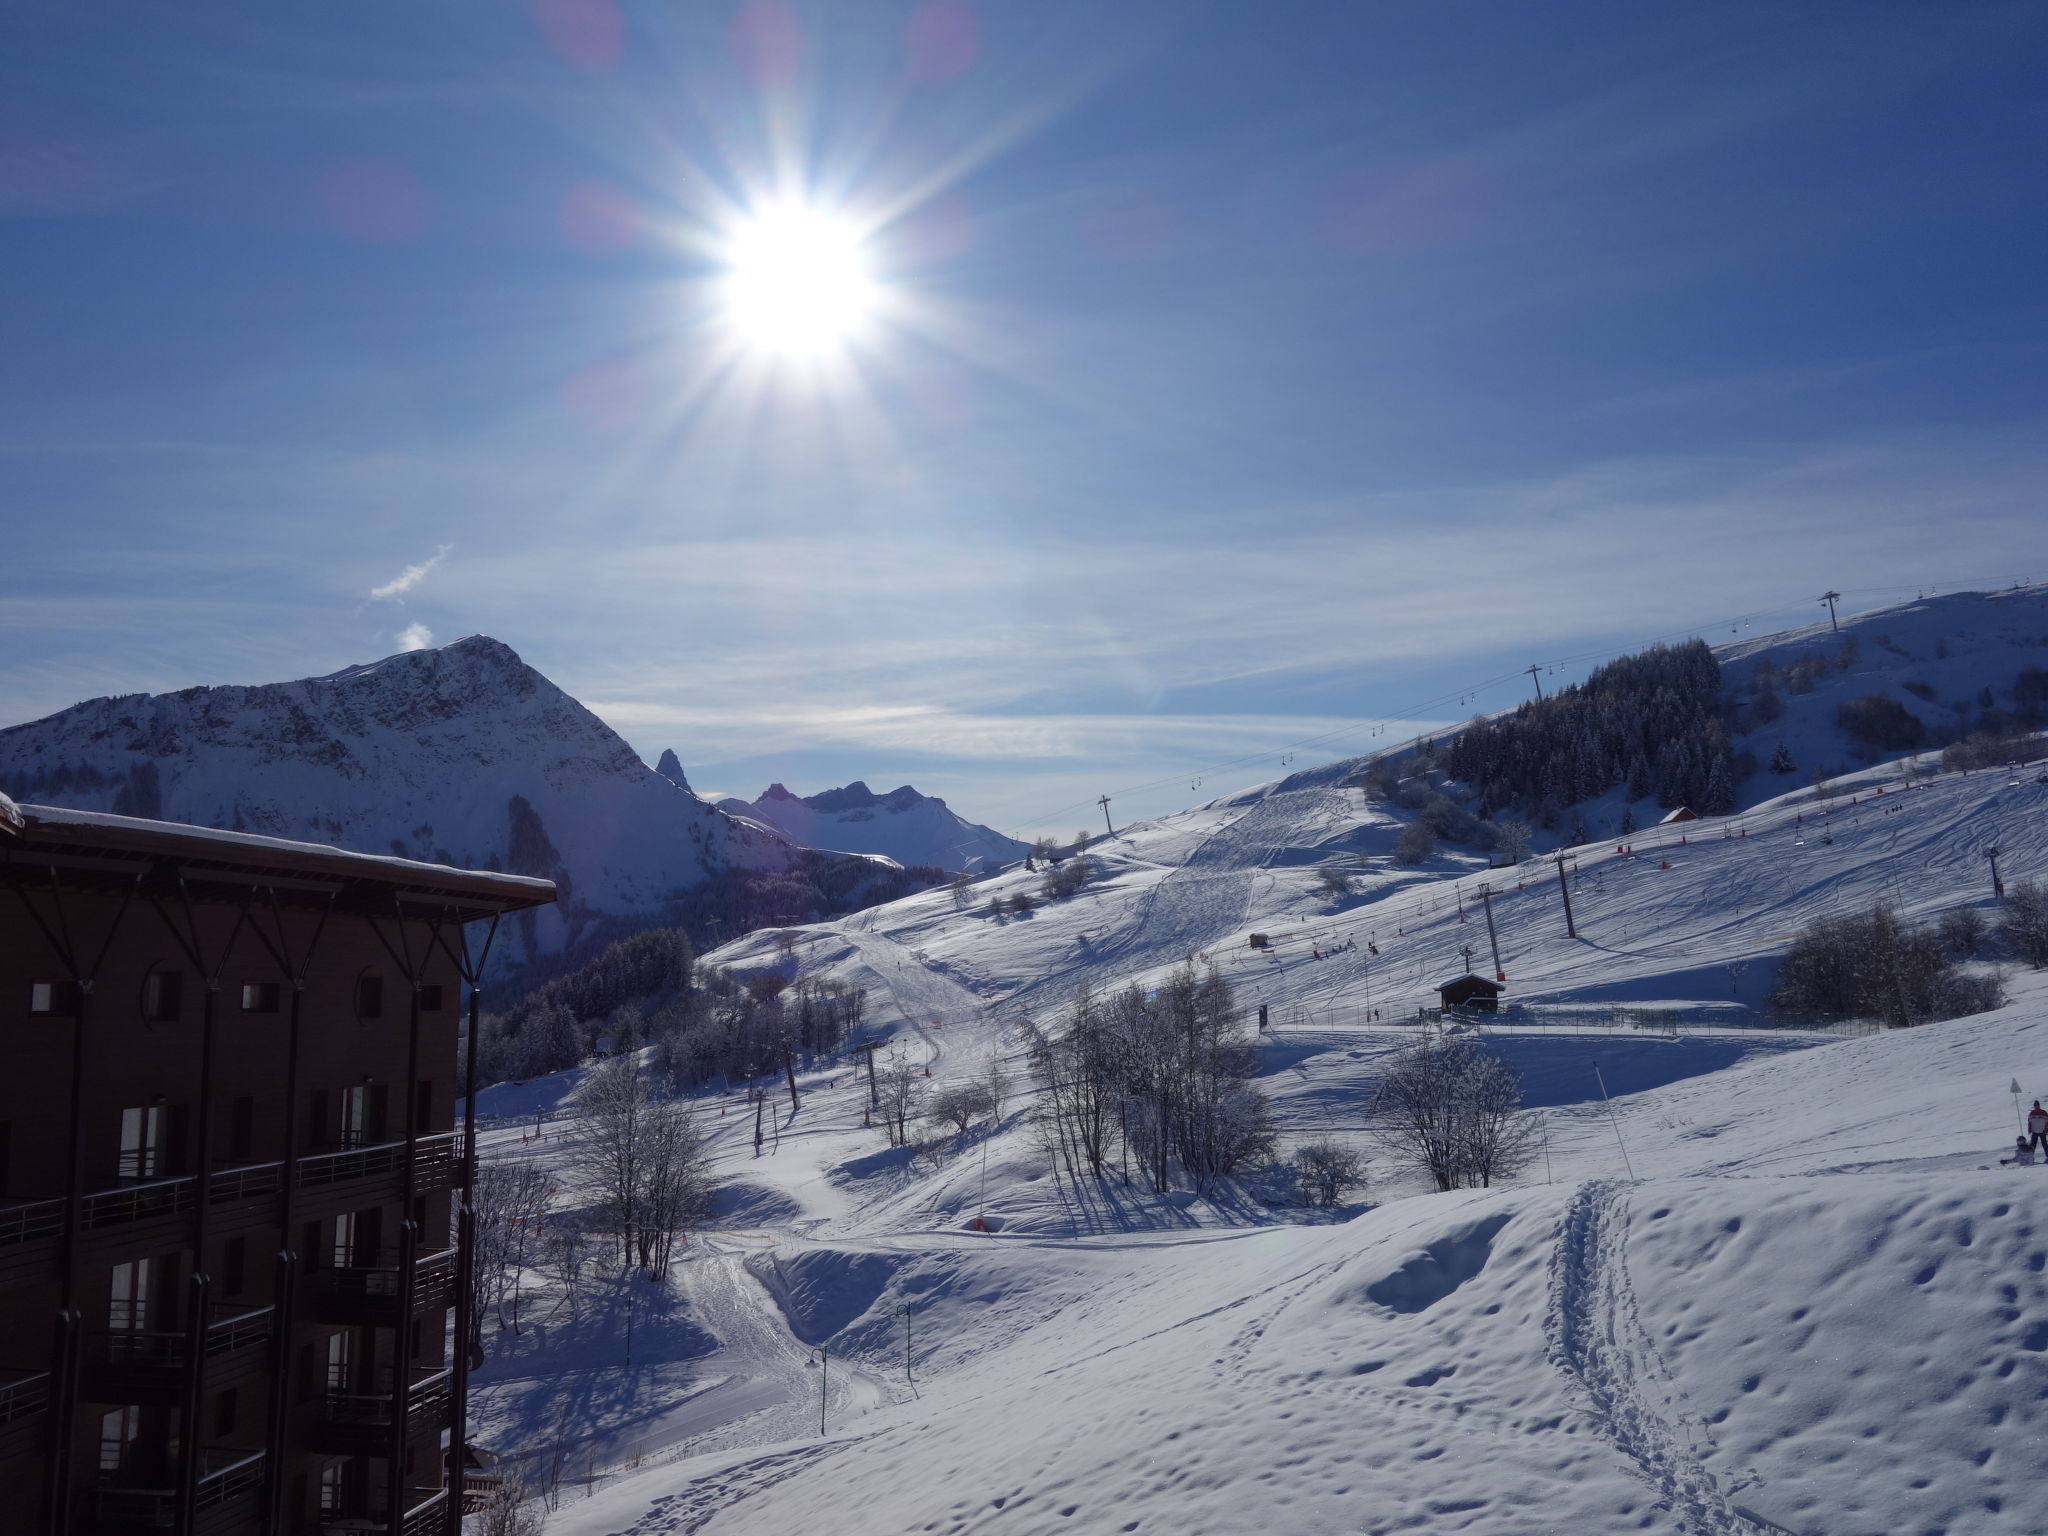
[1683,813]
[1473,992]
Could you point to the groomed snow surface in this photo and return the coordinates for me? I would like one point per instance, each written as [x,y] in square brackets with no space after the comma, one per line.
[1780,1284]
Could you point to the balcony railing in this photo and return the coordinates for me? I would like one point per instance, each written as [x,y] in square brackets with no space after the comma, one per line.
[421,1518]
[233,1329]
[224,1475]
[137,1202]
[379,1277]
[433,1152]
[429,1394]
[132,1202]
[23,1395]
[22,1223]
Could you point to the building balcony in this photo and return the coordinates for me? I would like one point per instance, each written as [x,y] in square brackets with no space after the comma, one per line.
[141,1365]
[228,1496]
[358,1421]
[426,1513]
[352,1177]
[369,1289]
[24,1400]
[150,1212]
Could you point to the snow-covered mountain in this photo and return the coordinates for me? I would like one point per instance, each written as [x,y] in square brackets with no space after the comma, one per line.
[460,755]
[906,826]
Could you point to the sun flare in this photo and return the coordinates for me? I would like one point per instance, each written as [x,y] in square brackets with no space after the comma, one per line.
[799,282]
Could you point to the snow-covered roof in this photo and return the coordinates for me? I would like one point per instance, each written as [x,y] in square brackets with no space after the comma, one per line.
[103,832]
[1681,813]
[10,815]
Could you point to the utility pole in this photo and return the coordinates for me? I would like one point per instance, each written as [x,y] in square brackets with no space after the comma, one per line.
[1535,671]
[1104,803]
[1492,938]
[1997,885]
[1570,929]
[1829,598]
[907,1378]
[1611,1120]
[824,1381]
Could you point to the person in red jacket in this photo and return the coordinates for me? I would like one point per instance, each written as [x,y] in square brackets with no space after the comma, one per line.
[2037,1127]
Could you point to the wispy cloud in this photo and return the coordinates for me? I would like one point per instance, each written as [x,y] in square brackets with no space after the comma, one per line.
[409,578]
[415,637]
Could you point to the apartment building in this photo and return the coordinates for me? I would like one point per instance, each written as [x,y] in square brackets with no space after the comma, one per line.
[233,1227]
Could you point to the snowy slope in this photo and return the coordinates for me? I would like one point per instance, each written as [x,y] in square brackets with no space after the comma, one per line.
[458,755]
[1850,1339]
[1950,648]
[1822,1309]
[904,825]
[1695,913]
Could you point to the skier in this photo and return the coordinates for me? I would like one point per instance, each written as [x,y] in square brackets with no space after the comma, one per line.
[2022,1154]
[2037,1127]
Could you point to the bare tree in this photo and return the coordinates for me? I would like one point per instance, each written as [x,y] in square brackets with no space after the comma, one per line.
[1453,1110]
[1416,844]
[510,1199]
[1874,965]
[1328,1171]
[1500,1137]
[643,1157]
[675,1183]
[1333,882]
[1515,836]
[1961,930]
[507,1511]
[960,1104]
[615,1102]
[900,1089]
[2025,925]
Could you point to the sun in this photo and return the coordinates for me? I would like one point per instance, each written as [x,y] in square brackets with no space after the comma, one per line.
[799,283]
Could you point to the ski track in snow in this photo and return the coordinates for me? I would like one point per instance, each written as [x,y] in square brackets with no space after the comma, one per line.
[1597,1338]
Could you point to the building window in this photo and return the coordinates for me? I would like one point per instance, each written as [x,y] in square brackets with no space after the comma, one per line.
[54,997]
[369,996]
[260,996]
[224,1414]
[234,1266]
[334,1488]
[430,999]
[129,1308]
[119,1431]
[338,1376]
[142,1142]
[162,995]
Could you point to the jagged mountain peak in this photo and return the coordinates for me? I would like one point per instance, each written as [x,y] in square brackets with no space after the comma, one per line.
[670,767]
[910,827]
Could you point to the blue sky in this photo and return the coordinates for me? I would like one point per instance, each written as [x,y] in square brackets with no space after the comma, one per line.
[1251,373]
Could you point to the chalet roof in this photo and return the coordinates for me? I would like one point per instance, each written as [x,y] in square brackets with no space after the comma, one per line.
[10,817]
[96,840]
[1681,813]
[1484,981]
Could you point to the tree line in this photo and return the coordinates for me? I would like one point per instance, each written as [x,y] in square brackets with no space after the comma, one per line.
[1651,722]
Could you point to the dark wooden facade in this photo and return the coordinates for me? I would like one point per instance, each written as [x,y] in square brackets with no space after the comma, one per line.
[1471,993]
[233,1202]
